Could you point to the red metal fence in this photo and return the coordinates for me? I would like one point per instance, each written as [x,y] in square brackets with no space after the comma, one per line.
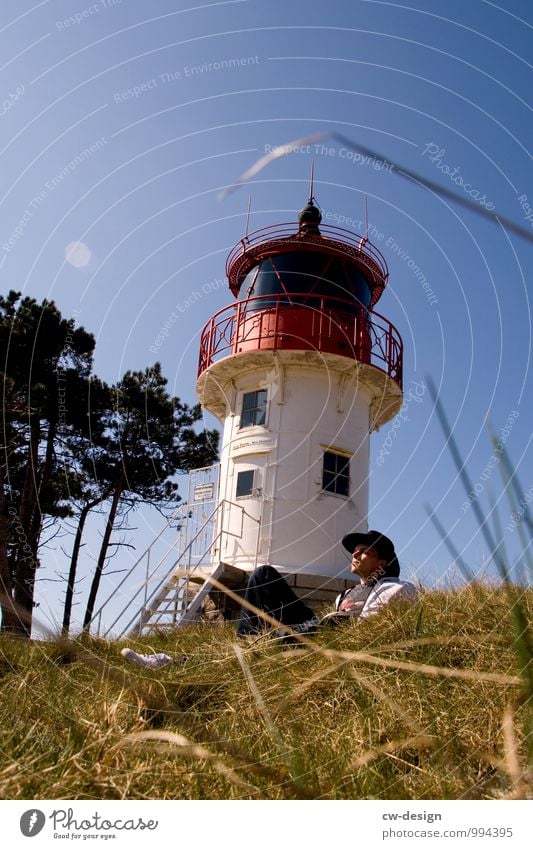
[296,322]
[283,238]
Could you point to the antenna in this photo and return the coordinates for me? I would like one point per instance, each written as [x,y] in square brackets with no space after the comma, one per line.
[364,239]
[248,216]
[311,182]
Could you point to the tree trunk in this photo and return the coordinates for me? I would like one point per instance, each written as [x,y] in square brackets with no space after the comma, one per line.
[29,491]
[26,561]
[36,518]
[119,488]
[69,595]
[9,615]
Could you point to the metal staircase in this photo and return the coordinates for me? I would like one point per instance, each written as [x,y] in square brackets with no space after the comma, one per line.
[174,588]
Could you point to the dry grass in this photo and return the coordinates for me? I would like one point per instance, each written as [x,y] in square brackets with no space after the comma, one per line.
[425,702]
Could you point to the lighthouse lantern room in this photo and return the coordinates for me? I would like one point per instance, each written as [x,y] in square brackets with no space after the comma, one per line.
[299,369]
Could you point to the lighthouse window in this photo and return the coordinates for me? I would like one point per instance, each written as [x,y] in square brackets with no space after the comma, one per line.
[245,483]
[308,275]
[336,473]
[254,406]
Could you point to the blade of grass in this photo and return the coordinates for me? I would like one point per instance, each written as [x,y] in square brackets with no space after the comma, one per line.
[467,483]
[468,575]
[513,489]
[419,620]
[523,640]
[511,756]
[425,668]
[498,530]
[404,715]
[522,630]
[419,741]
[190,749]
[294,769]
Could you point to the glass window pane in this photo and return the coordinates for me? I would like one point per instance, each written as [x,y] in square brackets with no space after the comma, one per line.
[245,483]
[249,400]
[303,272]
[327,482]
[343,465]
[329,461]
[261,398]
[341,486]
[336,473]
[254,405]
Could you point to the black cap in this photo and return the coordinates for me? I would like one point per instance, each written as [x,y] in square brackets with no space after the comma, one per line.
[310,214]
[309,218]
[380,543]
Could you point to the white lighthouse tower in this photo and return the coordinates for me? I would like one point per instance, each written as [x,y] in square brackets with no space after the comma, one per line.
[299,370]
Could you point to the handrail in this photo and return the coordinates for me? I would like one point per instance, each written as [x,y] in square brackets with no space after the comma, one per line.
[168,574]
[186,550]
[369,336]
[181,506]
[159,586]
[328,234]
[137,563]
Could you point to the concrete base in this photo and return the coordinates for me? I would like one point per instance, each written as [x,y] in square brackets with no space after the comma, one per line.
[315,590]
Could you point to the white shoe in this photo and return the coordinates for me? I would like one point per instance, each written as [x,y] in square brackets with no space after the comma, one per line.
[149,661]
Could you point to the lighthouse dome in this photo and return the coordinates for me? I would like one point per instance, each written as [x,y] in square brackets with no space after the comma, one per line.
[310,214]
[311,261]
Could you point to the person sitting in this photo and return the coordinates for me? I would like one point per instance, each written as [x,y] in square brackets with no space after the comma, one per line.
[375,563]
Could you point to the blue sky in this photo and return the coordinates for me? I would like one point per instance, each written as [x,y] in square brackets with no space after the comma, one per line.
[122,121]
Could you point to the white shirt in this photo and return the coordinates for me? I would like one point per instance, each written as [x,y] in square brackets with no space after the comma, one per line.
[382,593]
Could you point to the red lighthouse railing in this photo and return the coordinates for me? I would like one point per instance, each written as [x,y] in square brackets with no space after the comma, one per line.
[292,322]
[282,238]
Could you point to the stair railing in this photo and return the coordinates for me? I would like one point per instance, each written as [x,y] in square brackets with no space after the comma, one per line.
[190,568]
[149,575]
[146,615]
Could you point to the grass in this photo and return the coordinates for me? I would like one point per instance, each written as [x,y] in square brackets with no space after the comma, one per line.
[421,702]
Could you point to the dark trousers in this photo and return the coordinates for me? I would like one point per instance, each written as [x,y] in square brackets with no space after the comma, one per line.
[269,592]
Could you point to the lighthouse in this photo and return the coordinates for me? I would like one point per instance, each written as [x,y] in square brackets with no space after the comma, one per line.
[299,369]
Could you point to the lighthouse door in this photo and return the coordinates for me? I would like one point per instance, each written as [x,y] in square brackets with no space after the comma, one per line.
[240,524]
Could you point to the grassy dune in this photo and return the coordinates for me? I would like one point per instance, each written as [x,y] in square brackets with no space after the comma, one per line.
[424,702]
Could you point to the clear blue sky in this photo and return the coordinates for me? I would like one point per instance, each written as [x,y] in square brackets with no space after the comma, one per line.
[121,122]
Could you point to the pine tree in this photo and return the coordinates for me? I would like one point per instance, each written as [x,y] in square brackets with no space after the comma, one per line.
[44,359]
